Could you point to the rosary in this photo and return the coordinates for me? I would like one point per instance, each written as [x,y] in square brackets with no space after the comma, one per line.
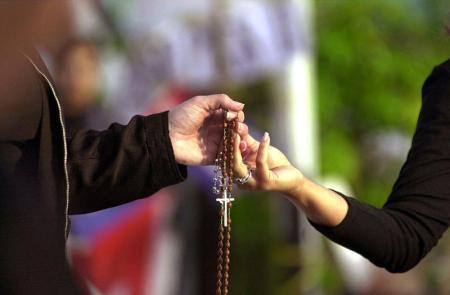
[223,186]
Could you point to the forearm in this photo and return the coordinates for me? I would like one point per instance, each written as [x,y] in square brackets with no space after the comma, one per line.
[321,205]
[395,237]
[121,164]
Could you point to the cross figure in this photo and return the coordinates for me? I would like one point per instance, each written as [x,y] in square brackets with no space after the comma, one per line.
[224,203]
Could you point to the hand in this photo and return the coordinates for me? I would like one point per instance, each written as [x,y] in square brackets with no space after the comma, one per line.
[272,171]
[196,127]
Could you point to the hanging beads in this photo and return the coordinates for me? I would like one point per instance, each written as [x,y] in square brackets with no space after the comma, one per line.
[223,186]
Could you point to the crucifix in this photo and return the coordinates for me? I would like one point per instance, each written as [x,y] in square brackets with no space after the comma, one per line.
[223,186]
[224,201]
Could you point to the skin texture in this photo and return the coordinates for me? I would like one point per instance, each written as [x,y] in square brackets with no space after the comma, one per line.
[196,127]
[273,172]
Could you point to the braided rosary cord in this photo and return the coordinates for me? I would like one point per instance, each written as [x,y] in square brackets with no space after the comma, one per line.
[223,185]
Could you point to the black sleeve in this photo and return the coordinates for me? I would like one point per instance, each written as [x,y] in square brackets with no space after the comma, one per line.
[417,212]
[121,164]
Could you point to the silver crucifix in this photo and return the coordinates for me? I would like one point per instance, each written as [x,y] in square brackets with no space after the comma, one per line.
[224,203]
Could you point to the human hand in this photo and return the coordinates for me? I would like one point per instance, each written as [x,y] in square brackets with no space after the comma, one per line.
[196,127]
[271,170]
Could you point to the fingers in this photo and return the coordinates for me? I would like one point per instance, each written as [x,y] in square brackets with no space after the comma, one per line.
[242,129]
[262,167]
[243,146]
[252,145]
[222,101]
[233,115]
[241,116]
[251,142]
[240,169]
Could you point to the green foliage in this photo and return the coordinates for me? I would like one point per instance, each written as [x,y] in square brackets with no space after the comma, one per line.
[253,242]
[373,57]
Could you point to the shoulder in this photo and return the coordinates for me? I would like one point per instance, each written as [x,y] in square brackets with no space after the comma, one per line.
[438,80]
[21,98]
[445,66]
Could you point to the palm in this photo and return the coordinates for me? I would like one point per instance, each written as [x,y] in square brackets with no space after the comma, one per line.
[286,177]
[275,160]
[281,170]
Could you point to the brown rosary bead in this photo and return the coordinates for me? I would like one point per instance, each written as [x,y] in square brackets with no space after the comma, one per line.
[225,161]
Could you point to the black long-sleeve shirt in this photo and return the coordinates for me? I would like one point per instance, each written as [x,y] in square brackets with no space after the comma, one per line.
[417,212]
[105,169]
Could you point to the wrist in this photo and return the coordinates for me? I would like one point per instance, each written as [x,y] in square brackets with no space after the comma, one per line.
[296,193]
[176,145]
[176,153]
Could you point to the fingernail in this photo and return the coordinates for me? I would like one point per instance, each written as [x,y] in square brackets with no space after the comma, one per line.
[231,115]
[242,105]
[266,136]
[240,127]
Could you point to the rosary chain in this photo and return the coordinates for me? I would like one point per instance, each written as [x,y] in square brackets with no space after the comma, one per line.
[225,161]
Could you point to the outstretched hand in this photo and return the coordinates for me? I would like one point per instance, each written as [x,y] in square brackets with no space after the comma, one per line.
[196,127]
[271,170]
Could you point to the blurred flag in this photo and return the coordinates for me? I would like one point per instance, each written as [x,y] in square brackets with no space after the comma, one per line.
[119,255]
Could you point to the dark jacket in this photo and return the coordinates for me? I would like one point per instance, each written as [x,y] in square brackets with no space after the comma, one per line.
[417,211]
[45,176]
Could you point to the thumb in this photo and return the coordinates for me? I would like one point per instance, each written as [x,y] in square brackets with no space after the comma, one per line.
[262,168]
[239,166]
[223,101]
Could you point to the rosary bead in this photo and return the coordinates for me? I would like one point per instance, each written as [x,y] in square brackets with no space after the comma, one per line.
[224,181]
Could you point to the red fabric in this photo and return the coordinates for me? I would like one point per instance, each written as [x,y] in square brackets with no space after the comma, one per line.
[118,259]
[167,100]
[121,255]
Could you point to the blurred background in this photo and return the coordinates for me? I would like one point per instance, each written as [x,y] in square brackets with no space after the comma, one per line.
[336,83]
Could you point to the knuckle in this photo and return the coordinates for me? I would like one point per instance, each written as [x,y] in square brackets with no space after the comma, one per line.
[224,97]
[197,99]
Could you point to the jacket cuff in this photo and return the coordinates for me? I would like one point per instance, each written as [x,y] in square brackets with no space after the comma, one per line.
[164,166]
[343,229]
